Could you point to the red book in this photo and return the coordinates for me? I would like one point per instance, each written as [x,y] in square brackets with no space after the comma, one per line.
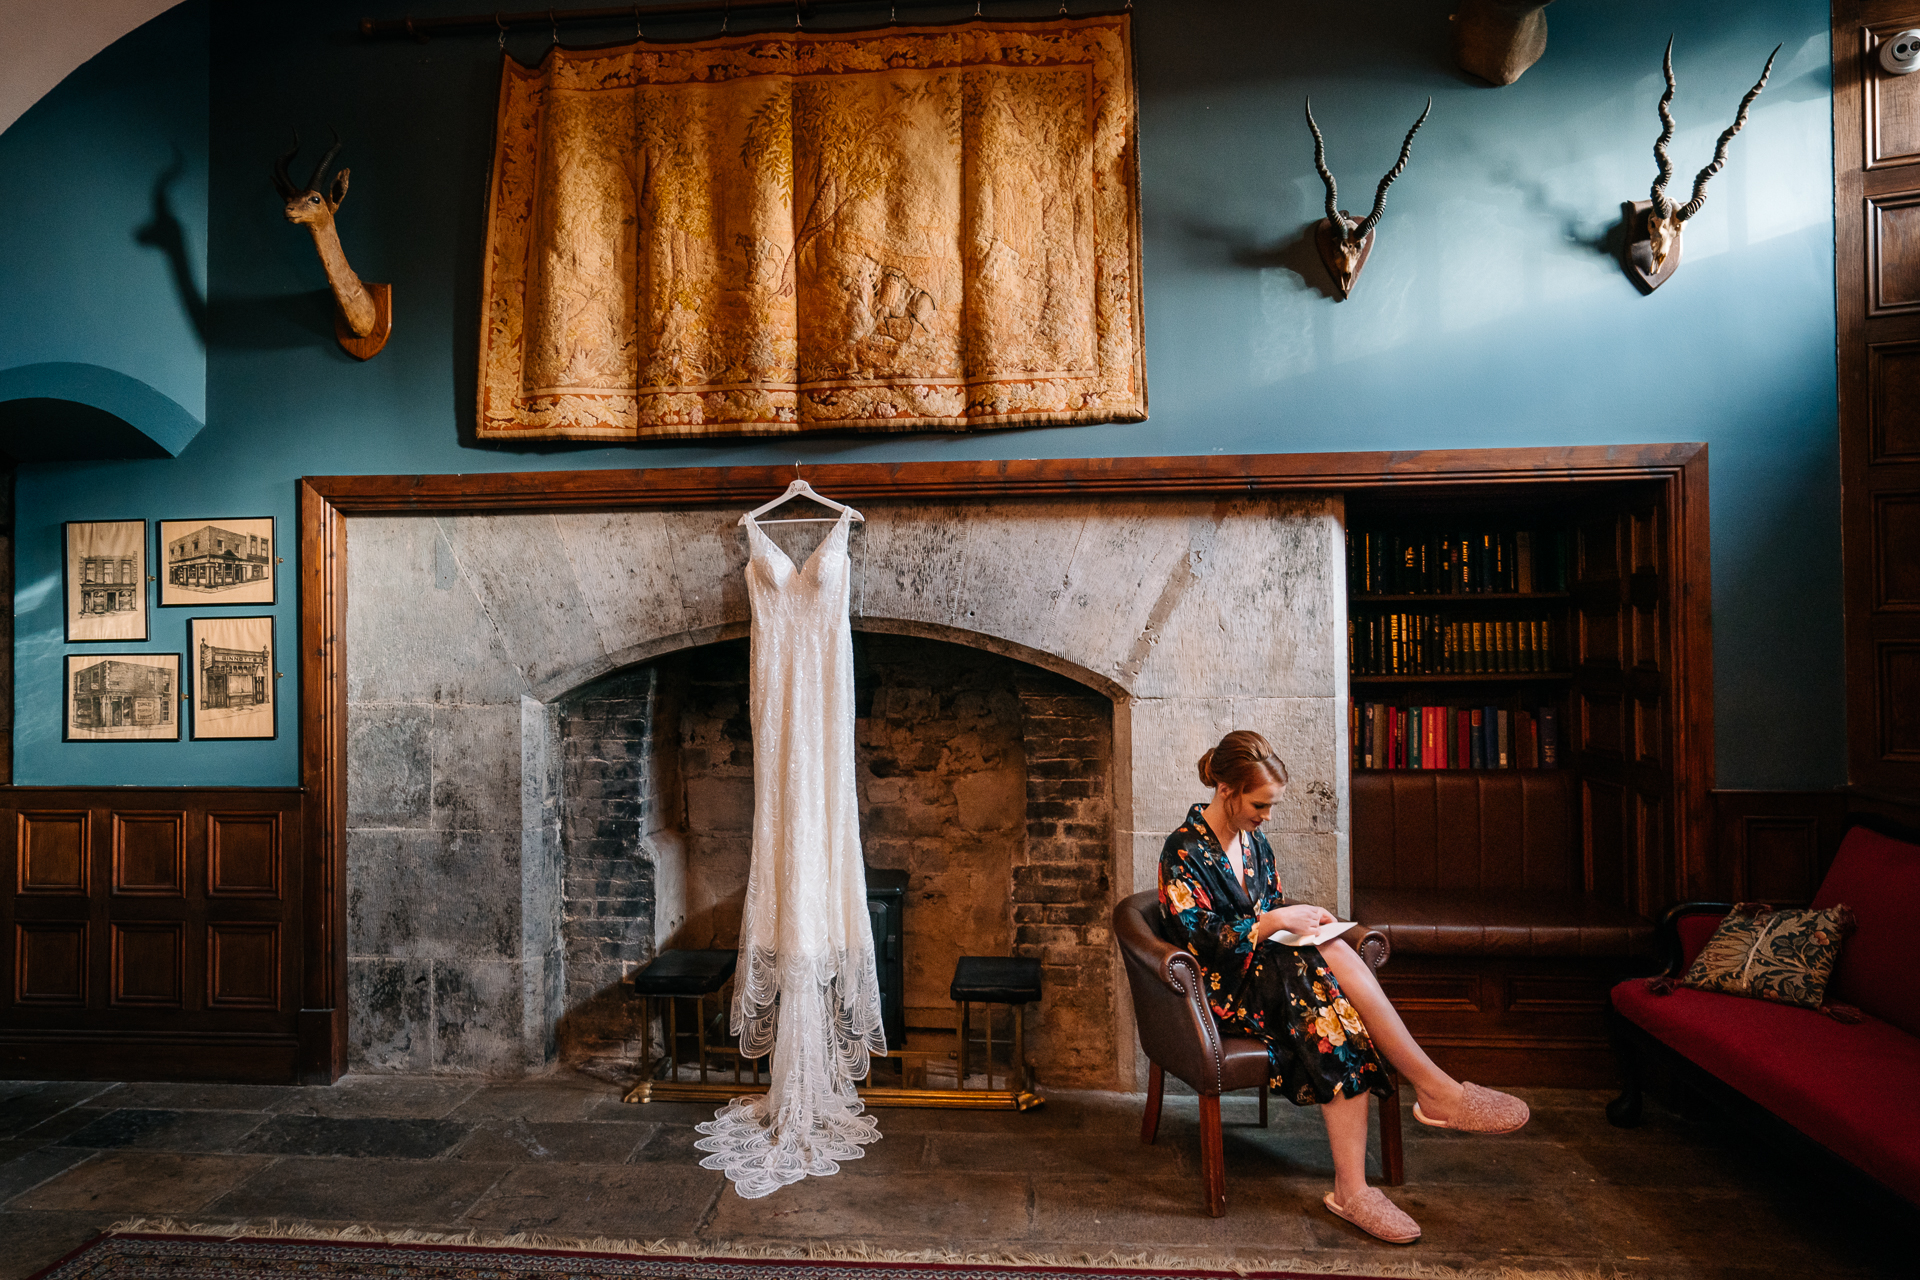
[1462,743]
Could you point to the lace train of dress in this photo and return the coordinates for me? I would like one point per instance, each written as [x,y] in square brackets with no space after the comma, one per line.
[806,988]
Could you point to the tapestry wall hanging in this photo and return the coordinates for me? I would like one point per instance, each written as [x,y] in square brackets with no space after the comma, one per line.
[909,228]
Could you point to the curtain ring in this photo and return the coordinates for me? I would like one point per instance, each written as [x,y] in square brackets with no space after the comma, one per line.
[503,30]
[638,34]
[796,15]
[554,23]
[1063,8]
[976,8]
[726,16]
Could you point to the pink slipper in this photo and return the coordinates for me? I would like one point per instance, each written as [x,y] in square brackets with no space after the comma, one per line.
[1481,1111]
[1376,1215]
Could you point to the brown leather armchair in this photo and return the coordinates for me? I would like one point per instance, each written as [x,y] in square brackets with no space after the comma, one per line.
[1180,1036]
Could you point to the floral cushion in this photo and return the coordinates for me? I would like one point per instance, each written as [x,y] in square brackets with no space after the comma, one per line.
[1785,956]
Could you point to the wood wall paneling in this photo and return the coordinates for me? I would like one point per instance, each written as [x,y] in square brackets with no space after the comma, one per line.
[1893,253]
[50,963]
[1892,108]
[1898,711]
[243,855]
[1893,401]
[149,931]
[150,855]
[1877,299]
[1773,846]
[52,851]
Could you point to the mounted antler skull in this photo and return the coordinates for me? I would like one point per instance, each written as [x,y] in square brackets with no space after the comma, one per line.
[1343,243]
[363,314]
[1654,225]
[1498,40]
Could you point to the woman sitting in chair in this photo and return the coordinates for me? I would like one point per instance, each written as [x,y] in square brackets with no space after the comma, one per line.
[1320,1010]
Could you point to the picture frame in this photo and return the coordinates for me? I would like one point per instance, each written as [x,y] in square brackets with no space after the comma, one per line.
[121,697]
[202,563]
[233,693]
[104,578]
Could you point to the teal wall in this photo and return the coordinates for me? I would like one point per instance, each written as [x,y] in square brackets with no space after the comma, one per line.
[92,179]
[1489,315]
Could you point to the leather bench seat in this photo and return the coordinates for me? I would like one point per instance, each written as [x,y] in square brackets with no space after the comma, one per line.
[1524,923]
[1458,863]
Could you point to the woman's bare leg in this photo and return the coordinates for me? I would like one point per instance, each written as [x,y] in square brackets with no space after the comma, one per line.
[1347,1134]
[1437,1092]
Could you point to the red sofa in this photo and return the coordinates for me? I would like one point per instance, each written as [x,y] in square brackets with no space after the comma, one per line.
[1852,1088]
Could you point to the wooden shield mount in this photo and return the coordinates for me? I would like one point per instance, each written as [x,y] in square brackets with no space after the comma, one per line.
[1636,254]
[1342,261]
[368,347]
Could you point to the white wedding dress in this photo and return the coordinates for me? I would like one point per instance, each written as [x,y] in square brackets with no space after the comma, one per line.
[806,987]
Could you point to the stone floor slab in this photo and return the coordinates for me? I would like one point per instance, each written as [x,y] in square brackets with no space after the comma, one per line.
[361,1097]
[517,1141]
[196,1096]
[640,1201]
[32,1241]
[366,1190]
[377,1137]
[166,1130]
[142,1182]
[27,1170]
[41,1101]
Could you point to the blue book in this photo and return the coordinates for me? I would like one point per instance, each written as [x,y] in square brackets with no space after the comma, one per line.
[1549,738]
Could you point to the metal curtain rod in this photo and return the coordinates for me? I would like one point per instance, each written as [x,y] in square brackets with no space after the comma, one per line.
[551,19]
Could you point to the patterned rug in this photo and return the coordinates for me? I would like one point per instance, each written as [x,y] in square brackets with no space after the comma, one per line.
[138,1255]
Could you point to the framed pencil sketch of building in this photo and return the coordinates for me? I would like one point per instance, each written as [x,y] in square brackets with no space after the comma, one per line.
[106,579]
[233,695]
[122,697]
[205,562]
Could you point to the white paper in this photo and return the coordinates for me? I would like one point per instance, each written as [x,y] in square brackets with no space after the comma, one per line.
[1313,937]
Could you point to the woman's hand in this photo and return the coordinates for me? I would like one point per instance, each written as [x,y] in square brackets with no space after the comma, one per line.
[1298,918]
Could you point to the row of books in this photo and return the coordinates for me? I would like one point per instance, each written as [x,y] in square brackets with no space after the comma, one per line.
[1419,562]
[1386,736]
[1395,644]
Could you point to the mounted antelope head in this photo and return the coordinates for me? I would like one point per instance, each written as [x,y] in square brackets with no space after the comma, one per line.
[1343,243]
[1654,225]
[363,313]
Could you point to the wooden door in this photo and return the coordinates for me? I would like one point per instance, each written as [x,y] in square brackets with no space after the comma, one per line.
[1876,159]
[1622,703]
[150,933]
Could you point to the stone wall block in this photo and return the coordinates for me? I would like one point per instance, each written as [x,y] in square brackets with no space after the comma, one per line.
[391,1003]
[389,766]
[520,572]
[1015,575]
[415,630]
[623,562]
[433,894]
[1257,617]
[476,1018]
[1303,731]
[1169,736]
[1306,862]
[477,768]
[912,562]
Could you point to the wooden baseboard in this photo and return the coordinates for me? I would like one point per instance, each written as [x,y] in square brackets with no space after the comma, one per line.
[56,1055]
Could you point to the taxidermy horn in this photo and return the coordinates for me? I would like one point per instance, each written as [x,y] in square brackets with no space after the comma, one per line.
[1498,40]
[1653,225]
[362,313]
[1343,243]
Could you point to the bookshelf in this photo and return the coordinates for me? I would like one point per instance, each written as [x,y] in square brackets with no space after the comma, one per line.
[1458,639]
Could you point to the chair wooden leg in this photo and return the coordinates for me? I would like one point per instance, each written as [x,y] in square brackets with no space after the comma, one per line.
[1392,1154]
[1150,1122]
[1213,1155]
[1263,1104]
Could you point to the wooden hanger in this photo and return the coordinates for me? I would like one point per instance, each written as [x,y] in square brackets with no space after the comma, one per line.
[801,489]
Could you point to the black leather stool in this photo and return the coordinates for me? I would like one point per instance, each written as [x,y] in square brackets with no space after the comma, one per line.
[1004,980]
[675,976]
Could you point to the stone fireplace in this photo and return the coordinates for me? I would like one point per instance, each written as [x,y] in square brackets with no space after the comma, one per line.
[550,770]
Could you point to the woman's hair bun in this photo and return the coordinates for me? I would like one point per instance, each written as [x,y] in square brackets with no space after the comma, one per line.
[1243,760]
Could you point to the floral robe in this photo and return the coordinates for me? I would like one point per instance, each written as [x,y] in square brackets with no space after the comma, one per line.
[1285,996]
